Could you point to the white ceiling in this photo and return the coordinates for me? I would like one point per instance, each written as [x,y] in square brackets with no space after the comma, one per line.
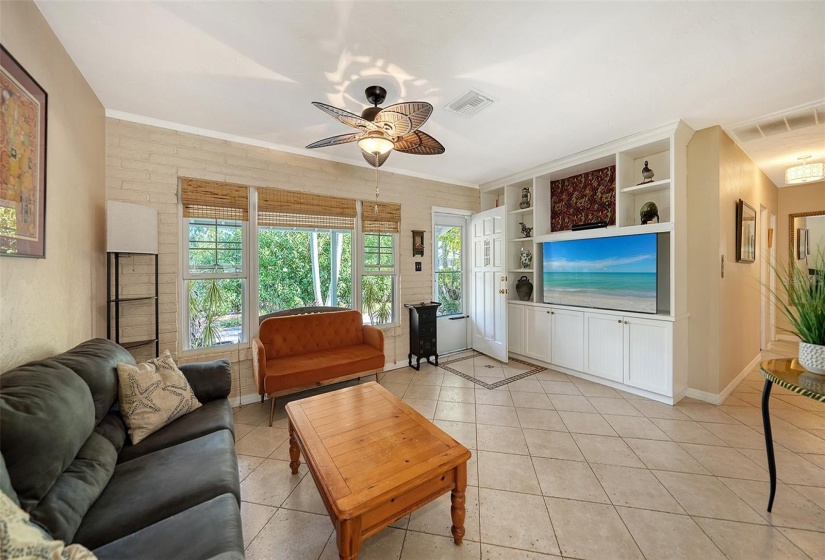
[567,76]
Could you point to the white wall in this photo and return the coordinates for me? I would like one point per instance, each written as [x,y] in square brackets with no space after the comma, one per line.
[49,305]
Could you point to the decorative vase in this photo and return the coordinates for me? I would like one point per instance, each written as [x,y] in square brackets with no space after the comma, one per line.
[526,258]
[525,199]
[524,288]
[811,356]
[648,213]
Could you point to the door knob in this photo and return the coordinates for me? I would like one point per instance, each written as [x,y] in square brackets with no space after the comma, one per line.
[501,290]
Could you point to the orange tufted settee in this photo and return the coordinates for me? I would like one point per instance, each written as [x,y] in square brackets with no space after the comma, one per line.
[299,352]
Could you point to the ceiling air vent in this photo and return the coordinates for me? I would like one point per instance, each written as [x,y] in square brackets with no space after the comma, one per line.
[781,123]
[470,103]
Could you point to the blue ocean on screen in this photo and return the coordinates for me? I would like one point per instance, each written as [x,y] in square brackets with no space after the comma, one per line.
[609,272]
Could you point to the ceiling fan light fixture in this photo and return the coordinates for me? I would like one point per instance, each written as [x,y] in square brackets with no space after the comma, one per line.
[375,143]
[805,172]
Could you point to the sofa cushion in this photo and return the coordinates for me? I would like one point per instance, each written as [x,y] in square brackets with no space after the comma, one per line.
[300,334]
[5,482]
[20,538]
[47,415]
[152,395]
[210,529]
[151,488]
[113,429]
[62,509]
[95,361]
[304,369]
[211,417]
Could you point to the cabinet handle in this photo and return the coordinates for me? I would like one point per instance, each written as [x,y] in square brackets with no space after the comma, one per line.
[552,313]
[547,312]
[620,321]
[625,322]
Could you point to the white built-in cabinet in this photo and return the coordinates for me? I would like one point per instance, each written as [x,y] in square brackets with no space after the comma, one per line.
[642,353]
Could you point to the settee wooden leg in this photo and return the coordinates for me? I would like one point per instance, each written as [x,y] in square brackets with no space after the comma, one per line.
[272,412]
[262,397]
[376,377]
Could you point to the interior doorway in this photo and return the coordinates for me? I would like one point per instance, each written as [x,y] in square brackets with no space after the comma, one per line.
[767,264]
[450,281]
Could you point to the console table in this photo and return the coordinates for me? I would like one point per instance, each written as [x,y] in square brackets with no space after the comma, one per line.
[785,372]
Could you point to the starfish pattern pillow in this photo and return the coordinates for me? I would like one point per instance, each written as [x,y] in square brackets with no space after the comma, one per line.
[153,394]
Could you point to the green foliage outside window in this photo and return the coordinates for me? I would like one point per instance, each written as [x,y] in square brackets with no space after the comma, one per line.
[448,269]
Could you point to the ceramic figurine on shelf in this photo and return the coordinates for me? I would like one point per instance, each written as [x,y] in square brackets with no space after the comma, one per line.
[647,174]
[526,258]
[525,231]
[525,199]
[649,213]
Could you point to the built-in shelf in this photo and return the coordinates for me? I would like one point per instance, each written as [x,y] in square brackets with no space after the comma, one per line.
[611,231]
[138,343]
[128,299]
[522,239]
[521,211]
[661,185]
[521,270]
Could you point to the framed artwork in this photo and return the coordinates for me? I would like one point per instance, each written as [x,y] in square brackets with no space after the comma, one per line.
[745,232]
[801,244]
[23,113]
[418,243]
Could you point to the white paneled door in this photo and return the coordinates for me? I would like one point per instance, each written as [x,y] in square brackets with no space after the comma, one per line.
[489,280]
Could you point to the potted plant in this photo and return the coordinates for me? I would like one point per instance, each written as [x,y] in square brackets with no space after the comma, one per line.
[804,307]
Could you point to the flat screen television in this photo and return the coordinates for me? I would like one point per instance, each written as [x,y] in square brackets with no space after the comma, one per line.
[608,272]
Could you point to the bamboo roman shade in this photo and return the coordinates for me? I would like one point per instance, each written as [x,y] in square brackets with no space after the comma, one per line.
[387,219]
[282,208]
[214,200]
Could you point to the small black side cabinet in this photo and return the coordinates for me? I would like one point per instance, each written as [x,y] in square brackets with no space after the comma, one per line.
[423,339]
[115,303]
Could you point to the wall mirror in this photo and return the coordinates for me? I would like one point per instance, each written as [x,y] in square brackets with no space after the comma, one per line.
[806,233]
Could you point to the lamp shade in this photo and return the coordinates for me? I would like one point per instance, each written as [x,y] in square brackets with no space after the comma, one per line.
[375,143]
[805,172]
[131,228]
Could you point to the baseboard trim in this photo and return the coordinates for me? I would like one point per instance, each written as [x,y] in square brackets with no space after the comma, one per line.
[713,398]
[787,337]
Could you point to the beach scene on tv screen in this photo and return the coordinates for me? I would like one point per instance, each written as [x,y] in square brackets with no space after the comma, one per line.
[608,273]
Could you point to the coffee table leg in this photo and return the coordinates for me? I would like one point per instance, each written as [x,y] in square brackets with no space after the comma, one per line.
[457,498]
[348,537]
[766,423]
[294,452]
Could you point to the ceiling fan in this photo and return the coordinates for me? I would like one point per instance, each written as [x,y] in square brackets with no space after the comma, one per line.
[382,130]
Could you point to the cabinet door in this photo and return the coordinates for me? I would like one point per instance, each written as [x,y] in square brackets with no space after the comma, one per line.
[515,328]
[537,327]
[604,346]
[567,338]
[648,355]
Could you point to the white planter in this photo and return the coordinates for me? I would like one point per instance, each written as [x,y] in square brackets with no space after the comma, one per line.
[812,357]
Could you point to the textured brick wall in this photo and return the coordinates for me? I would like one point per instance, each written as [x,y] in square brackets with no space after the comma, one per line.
[143,164]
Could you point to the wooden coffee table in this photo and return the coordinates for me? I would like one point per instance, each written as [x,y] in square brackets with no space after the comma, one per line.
[374,460]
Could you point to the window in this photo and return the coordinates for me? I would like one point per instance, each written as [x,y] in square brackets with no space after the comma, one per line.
[378,281]
[448,281]
[215,282]
[299,268]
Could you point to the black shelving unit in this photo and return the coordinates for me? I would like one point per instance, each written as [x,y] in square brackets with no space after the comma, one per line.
[113,299]
[423,336]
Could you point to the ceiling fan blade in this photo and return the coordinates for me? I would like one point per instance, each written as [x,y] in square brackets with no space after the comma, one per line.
[419,143]
[403,118]
[349,119]
[375,161]
[335,140]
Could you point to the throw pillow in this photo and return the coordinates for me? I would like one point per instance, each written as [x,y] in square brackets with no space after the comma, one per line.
[20,538]
[153,394]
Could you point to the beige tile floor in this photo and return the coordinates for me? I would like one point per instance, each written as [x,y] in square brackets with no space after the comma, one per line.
[565,467]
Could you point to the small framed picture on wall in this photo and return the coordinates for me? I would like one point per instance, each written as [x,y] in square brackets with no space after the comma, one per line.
[745,232]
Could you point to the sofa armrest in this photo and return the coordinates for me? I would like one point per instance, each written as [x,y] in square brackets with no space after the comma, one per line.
[259,364]
[209,380]
[374,337]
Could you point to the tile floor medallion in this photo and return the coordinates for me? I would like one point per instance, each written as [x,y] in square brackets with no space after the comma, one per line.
[563,467]
[487,372]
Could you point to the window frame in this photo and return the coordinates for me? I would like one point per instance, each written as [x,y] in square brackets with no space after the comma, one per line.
[188,276]
[362,262]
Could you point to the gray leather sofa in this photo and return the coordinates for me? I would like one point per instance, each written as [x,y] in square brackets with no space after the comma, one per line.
[67,460]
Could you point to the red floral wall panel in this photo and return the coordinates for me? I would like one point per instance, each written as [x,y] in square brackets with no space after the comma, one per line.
[589,197]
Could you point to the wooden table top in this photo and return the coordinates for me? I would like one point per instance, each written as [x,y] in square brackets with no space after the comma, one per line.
[362,443]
